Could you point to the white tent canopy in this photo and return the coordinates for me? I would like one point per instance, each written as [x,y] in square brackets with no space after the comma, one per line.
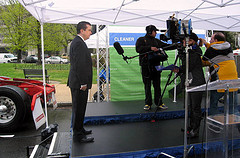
[221,15]
[205,14]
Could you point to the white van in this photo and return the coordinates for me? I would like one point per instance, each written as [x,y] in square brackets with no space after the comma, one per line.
[7,58]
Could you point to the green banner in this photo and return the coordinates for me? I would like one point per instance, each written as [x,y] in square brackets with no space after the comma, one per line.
[126,79]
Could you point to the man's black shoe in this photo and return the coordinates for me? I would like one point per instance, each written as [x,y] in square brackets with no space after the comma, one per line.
[83,139]
[86,132]
[87,139]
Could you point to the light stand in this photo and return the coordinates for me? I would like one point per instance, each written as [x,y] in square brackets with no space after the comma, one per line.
[186,99]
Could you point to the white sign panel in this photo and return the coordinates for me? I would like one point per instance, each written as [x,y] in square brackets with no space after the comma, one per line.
[38,114]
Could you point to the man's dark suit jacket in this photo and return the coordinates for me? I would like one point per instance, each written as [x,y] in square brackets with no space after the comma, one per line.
[80,74]
[81,64]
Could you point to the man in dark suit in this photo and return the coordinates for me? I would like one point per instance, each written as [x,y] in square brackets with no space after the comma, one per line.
[80,80]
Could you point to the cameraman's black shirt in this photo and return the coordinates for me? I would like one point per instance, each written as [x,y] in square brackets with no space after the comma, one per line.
[144,45]
[195,67]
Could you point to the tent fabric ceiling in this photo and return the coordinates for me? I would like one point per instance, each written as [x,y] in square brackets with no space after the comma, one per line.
[205,14]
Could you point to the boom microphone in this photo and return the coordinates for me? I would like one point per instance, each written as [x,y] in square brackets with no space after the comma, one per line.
[118,48]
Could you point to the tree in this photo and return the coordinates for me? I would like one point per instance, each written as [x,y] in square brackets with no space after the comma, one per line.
[57,36]
[231,37]
[21,31]
[68,33]
[15,29]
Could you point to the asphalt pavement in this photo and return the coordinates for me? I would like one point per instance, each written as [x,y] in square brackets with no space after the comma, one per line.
[28,136]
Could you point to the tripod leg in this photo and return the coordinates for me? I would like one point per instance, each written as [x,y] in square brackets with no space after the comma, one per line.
[168,82]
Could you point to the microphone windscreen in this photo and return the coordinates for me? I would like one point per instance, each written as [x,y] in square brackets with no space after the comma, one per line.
[118,48]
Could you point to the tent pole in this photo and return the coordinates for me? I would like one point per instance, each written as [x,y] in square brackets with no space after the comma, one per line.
[43,69]
[98,68]
[206,68]
[107,62]
[186,100]
[175,81]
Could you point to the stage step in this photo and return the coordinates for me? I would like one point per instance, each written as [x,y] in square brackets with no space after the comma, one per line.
[58,146]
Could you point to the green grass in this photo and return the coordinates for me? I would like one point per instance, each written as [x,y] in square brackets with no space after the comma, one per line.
[57,72]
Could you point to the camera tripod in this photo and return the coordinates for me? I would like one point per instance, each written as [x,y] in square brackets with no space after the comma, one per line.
[169,81]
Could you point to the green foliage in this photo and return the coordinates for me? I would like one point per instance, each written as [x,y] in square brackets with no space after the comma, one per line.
[57,36]
[231,37]
[16,25]
[22,32]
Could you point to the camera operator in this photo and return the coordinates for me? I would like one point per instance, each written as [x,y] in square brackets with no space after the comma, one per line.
[220,53]
[149,46]
[196,78]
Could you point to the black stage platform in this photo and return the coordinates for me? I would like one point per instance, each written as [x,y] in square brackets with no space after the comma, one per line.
[121,129]
[131,138]
[124,129]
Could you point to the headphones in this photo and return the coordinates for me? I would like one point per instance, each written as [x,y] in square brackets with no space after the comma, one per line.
[149,29]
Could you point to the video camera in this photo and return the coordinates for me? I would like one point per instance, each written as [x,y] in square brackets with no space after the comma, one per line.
[177,30]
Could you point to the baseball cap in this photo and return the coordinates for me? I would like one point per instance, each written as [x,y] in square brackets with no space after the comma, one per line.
[151,28]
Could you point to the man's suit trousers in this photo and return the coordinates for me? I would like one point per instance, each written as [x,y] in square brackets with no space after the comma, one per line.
[79,103]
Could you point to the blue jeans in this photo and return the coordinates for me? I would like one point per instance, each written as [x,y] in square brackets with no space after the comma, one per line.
[215,96]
